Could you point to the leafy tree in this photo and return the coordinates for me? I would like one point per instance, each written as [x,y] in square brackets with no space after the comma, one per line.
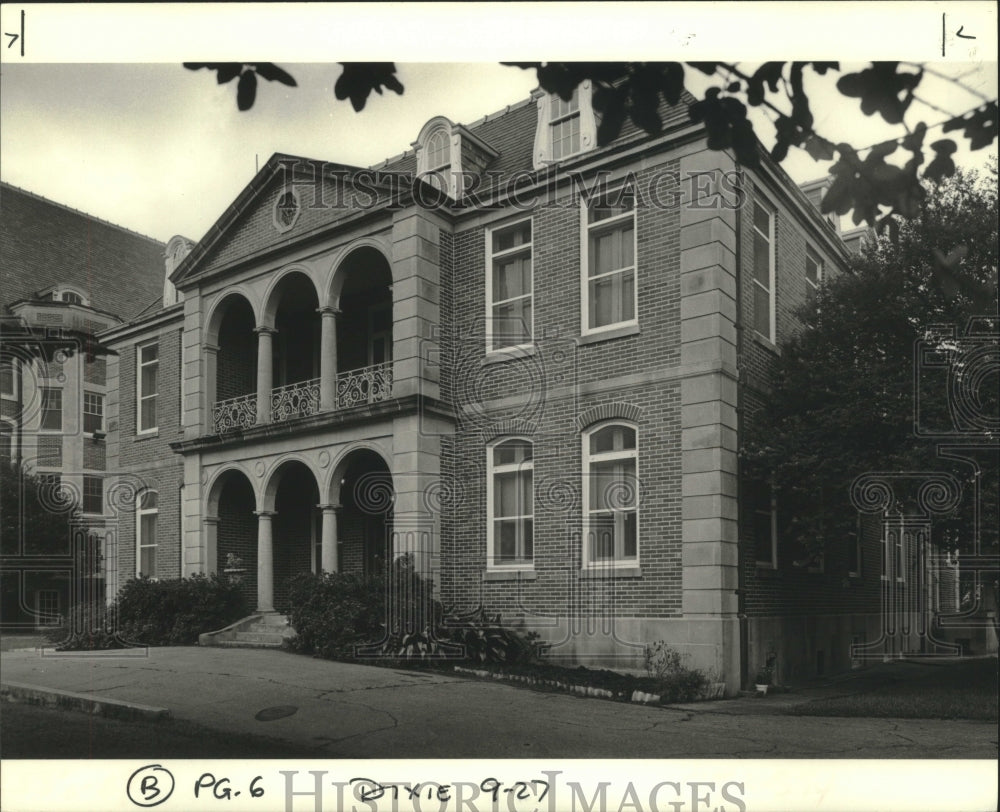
[871,187]
[35,511]
[845,387]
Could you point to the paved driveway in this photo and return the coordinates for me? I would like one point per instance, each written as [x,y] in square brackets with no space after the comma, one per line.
[355,711]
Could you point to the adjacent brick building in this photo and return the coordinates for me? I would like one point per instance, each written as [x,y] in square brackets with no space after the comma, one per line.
[530,370]
[66,276]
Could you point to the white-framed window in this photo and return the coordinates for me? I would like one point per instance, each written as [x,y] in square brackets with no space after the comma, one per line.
[6,441]
[763,270]
[146,515]
[148,368]
[764,507]
[8,379]
[609,295]
[610,495]
[565,128]
[93,412]
[52,411]
[510,503]
[93,494]
[814,273]
[47,607]
[438,158]
[509,286]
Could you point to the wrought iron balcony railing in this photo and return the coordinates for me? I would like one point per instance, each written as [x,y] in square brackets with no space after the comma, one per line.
[234,413]
[354,387]
[295,400]
[364,385]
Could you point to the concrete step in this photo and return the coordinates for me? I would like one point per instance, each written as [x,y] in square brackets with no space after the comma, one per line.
[241,644]
[258,638]
[266,628]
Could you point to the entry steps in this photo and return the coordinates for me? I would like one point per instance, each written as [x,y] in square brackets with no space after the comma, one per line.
[262,630]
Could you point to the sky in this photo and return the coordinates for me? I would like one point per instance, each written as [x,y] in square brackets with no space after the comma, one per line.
[163,150]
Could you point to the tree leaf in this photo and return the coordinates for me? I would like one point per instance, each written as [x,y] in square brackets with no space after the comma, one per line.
[819,148]
[271,72]
[246,90]
[359,79]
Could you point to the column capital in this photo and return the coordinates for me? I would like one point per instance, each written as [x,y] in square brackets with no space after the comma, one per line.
[329,310]
[210,347]
[261,514]
[210,519]
[330,507]
[265,331]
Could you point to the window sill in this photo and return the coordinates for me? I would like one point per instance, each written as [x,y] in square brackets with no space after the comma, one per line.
[766,343]
[510,575]
[607,335]
[147,435]
[611,572]
[509,353]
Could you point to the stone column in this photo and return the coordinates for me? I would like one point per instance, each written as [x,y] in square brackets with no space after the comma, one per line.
[265,336]
[265,562]
[211,361]
[211,524]
[328,360]
[329,562]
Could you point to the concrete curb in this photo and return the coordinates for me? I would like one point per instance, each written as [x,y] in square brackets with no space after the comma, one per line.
[87,703]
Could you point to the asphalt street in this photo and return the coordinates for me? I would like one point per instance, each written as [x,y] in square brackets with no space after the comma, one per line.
[353,711]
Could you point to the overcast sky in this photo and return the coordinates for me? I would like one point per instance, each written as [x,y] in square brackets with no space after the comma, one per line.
[163,150]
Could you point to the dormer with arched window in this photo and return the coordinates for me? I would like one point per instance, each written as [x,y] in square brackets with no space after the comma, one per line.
[447,153]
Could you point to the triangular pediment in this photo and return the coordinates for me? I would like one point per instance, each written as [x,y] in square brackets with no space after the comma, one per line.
[289,200]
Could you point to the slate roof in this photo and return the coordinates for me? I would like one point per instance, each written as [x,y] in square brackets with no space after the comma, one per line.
[43,244]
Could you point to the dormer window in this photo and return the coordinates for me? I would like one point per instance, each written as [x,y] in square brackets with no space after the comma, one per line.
[565,128]
[66,295]
[438,158]
[449,156]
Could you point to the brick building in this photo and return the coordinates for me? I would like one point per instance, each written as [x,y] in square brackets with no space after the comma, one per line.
[66,277]
[529,369]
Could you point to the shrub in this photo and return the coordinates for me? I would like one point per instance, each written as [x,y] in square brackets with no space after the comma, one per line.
[393,618]
[675,681]
[174,612]
[482,639]
[333,613]
[86,627]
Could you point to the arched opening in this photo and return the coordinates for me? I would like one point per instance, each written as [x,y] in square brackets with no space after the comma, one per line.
[296,348]
[235,377]
[364,328]
[297,527]
[232,506]
[366,497]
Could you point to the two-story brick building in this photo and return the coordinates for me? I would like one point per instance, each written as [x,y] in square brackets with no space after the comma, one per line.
[530,369]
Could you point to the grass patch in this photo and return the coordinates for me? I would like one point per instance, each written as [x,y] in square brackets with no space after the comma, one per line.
[961,690]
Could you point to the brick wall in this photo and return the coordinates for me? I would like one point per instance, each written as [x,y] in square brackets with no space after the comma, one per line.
[146,461]
[546,394]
